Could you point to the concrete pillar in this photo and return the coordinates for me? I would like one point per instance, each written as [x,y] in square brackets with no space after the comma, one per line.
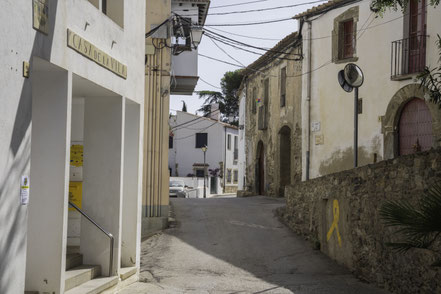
[131,214]
[47,222]
[102,179]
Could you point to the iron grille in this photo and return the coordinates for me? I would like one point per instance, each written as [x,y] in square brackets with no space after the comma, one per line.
[408,56]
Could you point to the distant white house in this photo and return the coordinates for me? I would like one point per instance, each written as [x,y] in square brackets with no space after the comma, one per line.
[188,134]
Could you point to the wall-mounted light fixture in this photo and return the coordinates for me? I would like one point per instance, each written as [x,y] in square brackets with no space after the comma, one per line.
[196,35]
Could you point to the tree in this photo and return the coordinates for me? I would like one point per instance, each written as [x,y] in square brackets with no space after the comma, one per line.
[380,6]
[227,99]
[420,225]
[184,106]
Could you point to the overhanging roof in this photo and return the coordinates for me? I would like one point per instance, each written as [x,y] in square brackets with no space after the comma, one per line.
[202,5]
[323,8]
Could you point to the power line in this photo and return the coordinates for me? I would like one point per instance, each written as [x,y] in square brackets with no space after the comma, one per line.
[195,133]
[244,3]
[226,52]
[249,37]
[262,9]
[248,23]
[209,83]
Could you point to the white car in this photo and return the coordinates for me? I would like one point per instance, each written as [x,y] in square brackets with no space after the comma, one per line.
[177,189]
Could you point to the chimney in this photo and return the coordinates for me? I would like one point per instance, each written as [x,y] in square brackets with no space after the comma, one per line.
[214,111]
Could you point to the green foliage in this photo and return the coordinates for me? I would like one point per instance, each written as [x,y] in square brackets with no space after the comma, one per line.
[419,225]
[380,6]
[431,79]
[227,99]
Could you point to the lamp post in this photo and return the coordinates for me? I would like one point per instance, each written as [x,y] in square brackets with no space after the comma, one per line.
[196,35]
[351,77]
[204,149]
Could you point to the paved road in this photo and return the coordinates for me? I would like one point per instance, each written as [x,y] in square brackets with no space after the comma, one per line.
[235,245]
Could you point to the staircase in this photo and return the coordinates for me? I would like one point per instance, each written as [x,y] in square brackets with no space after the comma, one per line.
[84,279]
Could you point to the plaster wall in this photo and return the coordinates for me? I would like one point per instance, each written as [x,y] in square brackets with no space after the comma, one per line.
[278,117]
[184,141]
[333,109]
[230,163]
[242,134]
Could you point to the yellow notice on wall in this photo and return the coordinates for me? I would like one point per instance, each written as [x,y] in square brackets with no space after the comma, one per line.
[75,193]
[76,155]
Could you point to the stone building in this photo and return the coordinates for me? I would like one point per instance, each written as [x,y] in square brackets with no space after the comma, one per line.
[272,87]
[391,51]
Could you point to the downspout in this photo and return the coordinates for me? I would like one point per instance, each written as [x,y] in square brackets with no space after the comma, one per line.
[308,99]
[225,156]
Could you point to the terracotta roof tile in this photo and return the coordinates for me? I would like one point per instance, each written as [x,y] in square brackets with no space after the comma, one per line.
[321,8]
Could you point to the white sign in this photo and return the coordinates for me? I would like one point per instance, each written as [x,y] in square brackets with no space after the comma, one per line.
[24,190]
[315,126]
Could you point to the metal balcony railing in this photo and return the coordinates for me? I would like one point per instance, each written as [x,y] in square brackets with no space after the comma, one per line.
[408,56]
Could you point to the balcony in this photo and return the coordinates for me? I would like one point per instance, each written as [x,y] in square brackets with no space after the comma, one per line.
[408,56]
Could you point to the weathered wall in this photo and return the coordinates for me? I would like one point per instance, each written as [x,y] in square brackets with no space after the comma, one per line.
[278,117]
[359,194]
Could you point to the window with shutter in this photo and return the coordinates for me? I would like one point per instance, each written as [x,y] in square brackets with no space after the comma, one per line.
[283,87]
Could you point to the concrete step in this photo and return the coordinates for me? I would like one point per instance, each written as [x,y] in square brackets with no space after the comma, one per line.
[127,272]
[80,275]
[94,286]
[73,260]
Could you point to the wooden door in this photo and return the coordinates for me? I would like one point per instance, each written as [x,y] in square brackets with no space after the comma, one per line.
[415,128]
[260,170]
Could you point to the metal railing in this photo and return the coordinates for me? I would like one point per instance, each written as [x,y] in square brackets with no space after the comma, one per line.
[408,56]
[102,230]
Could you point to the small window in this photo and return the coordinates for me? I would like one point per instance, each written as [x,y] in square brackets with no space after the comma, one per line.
[200,173]
[229,175]
[235,176]
[229,142]
[347,40]
[266,91]
[236,151]
[170,142]
[114,9]
[283,87]
[201,140]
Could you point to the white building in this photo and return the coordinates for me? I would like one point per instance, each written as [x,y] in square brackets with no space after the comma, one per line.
[391,51]
[191,132]
[72,73]
[242,152]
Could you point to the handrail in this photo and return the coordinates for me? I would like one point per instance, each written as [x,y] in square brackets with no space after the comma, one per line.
[102,230]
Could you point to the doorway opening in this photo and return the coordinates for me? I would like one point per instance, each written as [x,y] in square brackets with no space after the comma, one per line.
[285,159]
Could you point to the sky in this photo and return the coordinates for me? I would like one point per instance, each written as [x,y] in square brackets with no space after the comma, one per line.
[212,71]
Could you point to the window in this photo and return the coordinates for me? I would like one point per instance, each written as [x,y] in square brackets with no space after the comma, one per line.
[283,87]
[263,113]
[236,153]
[346,48]
[170,142]
[229,142]
[114,9]
[201,140]
[229,175]
[344,36]
[235,176]
[200,173]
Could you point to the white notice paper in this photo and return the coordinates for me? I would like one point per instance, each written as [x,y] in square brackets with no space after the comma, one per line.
[24,190]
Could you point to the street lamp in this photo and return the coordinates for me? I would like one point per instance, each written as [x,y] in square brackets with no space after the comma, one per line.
[204,149]
[351,77]
[196,35]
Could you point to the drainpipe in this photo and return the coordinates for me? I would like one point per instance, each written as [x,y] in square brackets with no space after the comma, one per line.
[308,98]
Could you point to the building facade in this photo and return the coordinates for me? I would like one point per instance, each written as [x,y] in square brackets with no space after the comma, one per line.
[171,68]
[391,51]
[188,134]
[70,132]
[272,85]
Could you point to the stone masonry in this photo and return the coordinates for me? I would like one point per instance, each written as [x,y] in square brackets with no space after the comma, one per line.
[359,194]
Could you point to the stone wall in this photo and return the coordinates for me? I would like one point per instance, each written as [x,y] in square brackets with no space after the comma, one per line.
[352,200]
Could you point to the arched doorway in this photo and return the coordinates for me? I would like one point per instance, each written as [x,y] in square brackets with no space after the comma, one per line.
[415,127]
[260,169]
[284,159]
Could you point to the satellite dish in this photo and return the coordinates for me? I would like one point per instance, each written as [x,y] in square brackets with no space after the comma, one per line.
[353,75]
[343,83]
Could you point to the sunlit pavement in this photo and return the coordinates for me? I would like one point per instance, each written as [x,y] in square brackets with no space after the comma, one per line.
[236,245]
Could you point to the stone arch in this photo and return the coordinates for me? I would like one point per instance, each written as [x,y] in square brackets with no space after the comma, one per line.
[284,159]
[260,168]
[392,117]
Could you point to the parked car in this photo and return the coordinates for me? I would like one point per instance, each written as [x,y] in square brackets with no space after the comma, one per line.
[177,189]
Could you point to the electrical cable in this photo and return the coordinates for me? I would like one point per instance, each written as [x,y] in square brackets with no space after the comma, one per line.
[195,133]
[237,4]
[249,37]
[225,52]
[199,117]
[248,23]
[209,83]
[263,9]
